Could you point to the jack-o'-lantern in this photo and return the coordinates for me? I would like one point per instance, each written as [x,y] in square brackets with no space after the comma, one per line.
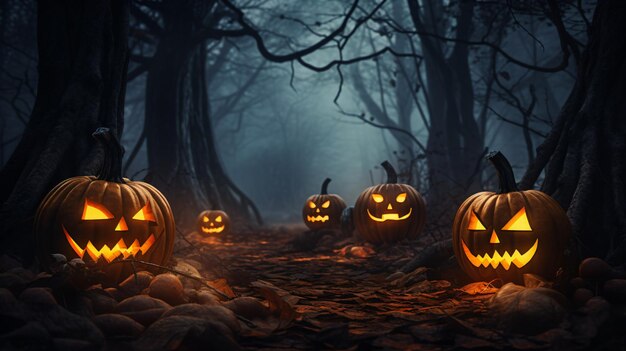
[105,218]
[213,222]
[506,234]
[387,213]
[323,210]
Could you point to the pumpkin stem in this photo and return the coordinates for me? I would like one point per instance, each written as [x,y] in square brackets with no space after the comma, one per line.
[325,186]
[505,172]
[111,169]
[392,176]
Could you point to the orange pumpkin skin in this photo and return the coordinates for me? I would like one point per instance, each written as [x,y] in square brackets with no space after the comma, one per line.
[385,228]
[323,210]
[140,219]
[528,222]
[213,222]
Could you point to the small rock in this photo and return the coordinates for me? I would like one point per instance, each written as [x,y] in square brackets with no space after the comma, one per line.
[12,281]
[117,325]
[135,284]
[168,288]
[527,310]
[116,294]
[22,272]
[101,301]
[6,297]
[183,266]
[142,308]
[213,313]
[68,344]
[614,290]
[31,332]
[594,269]
[37,296]
[578,282]
[205,297]
[581,296]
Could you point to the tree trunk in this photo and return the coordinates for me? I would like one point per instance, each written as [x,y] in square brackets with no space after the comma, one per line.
[455,145]
[82,47]
[182,155]
[583,156]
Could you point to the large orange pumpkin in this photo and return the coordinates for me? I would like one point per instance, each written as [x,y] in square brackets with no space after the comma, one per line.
[506,234]
[323,210]
[105,218]
[389,212]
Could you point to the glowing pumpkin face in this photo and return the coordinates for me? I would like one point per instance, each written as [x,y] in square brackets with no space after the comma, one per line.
[323,210]
[105,219]
[213,222]
[504,235]
[389,212]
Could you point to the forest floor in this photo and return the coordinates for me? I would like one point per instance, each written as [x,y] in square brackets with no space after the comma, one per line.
[284,288]
[341,295]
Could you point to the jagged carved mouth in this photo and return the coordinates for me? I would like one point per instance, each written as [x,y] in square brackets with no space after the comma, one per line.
[212,230]
[110,254]
[389,216]
[317,218]
[496,259]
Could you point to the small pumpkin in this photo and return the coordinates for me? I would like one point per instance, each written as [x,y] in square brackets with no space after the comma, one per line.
[105,218]
[506,234]
[323,210]
[387,213]
[213,222]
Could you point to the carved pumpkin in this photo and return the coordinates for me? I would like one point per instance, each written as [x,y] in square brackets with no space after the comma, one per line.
[105,218]
[213,222]
[323,211]
[389,212]
[506,234]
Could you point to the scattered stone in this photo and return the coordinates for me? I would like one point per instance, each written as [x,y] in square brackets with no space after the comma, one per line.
[135,284]
[112,324]
[527,310]
[581,296]
[594,269]
[101,301]
[614,290]
[6,297]
[37,296]
[205,297]
[184,332]
[116,294]
[142,308]
[578,282]
[68,344]
[168,288]
[220,314]
[183,266]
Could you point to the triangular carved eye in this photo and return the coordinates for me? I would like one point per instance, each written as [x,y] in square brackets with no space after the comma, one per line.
[326,204]
[218,219]
[475,223]
[519,222]
[94,211]
[312,204]
[145,214]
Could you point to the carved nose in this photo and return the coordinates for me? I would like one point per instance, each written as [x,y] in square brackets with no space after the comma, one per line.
[317,211]
[121,226]
[494,238]
[389,207]
[211,224]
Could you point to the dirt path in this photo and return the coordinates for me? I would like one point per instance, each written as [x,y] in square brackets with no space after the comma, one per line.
[347,302]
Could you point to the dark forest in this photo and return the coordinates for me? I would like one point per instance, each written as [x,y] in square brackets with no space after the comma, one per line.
[312,174]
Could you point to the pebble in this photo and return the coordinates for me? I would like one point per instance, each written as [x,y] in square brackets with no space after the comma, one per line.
[168,288]
[112,324]
[37,296]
